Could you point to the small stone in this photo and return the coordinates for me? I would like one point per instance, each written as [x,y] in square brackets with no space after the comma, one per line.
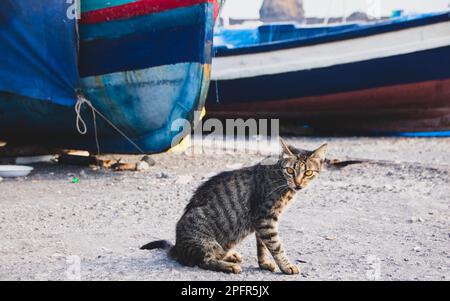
[1,179]
[148,160]
[82,173]
[163,175]
[106,250]
[416,219]
[389,187]
[140,188]
[57,256]
[405,259]
[330,237]
[412,219]
[142,166]
[417,249]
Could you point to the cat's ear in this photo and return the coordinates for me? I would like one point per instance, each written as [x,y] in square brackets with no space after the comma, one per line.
[286,148]
[320,153]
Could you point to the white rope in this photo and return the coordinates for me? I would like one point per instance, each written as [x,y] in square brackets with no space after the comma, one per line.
[78,106]
[80,121]
[82,128]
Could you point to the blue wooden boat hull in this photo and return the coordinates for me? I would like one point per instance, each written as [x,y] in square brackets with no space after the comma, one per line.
[377,78]
[142,71]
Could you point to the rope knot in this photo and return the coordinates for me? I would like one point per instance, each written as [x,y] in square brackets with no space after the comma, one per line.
[80,123]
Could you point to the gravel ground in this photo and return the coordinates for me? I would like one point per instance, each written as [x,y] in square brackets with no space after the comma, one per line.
[387,221]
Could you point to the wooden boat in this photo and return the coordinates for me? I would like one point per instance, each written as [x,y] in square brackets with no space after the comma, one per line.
[389,76]
[142,64]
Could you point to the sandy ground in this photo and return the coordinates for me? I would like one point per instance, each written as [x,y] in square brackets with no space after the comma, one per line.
[372,221]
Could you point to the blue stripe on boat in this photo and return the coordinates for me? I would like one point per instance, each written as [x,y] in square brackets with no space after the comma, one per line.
[148,49]
[436,134]
[423,134]
[410,68]
[167,19]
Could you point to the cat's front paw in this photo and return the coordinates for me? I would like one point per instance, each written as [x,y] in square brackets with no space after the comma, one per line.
[233,257]
[235,269]
[290,269]
[268,266]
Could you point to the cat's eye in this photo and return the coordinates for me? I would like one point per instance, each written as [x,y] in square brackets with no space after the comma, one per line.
[309,173]
[290,171]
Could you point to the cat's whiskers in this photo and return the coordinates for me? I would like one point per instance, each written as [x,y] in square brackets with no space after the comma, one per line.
[278,181]
[278,188]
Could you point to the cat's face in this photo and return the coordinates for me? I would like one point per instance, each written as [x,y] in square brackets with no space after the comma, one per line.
[300,168]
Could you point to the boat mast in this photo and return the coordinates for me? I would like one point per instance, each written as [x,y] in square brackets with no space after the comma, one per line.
[344,17]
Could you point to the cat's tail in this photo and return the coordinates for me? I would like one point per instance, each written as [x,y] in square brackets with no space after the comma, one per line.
[161,244]
[333,163]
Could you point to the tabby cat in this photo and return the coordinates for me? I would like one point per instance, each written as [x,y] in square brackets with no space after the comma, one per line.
[232,205]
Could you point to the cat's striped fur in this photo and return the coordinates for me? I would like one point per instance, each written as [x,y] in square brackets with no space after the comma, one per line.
[232,205]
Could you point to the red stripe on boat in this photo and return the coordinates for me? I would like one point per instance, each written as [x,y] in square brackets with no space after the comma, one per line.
[415,107]
[135,9]
[216,9]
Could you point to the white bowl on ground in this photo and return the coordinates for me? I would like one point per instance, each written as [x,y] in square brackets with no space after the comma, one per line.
[13,171]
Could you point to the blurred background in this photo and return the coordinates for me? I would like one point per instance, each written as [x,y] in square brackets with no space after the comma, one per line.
[321,11]
[364,67]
